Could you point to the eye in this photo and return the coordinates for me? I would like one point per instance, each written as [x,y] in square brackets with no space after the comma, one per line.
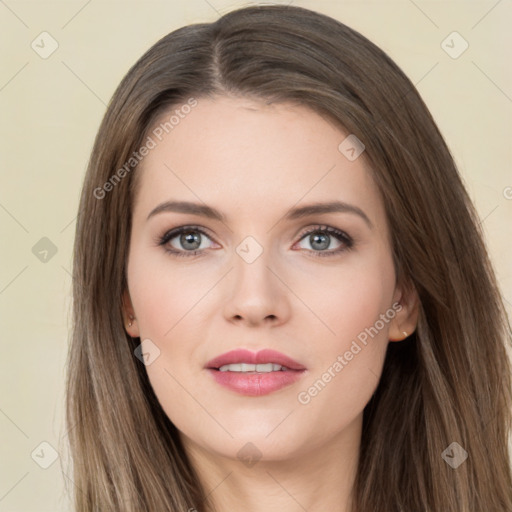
[192,241]
[320,238]
[188,241]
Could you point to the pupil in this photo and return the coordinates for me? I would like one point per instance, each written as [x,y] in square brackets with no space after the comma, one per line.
[317,238]
[190,238]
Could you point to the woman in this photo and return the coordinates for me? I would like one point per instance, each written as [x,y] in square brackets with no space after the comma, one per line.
[282,299]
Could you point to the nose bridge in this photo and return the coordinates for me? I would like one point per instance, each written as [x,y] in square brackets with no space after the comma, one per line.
[251,262]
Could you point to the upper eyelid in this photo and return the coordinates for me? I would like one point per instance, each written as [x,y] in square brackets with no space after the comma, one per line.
[174,232]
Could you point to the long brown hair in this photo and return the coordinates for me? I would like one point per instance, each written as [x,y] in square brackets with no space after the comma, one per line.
[448,382]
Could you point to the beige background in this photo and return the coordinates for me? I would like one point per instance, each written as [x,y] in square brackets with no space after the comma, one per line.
[50,111]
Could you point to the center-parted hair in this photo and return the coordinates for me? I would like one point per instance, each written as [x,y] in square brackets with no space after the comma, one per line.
[448,382]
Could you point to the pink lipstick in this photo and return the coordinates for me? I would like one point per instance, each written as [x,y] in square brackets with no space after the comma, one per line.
[254,373]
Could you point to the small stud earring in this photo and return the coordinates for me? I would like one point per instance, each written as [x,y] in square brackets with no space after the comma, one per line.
[405,334]
[131,321]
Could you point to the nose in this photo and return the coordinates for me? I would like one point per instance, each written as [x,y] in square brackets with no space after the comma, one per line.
[257,294]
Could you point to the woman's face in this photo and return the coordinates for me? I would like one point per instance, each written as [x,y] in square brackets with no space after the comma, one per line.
[318,288]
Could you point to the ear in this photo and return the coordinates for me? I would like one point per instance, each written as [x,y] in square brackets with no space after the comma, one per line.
[129,316]
[406,318]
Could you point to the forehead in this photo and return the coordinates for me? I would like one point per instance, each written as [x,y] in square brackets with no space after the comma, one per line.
[244,156]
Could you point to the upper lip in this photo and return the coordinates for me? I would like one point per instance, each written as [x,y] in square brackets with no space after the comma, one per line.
[260,357]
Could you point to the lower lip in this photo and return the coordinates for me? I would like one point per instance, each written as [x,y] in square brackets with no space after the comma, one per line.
[256,384]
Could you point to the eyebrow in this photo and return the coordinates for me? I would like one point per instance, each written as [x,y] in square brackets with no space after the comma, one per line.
[204,210]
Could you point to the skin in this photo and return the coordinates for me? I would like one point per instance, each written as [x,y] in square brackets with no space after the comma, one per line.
[253,162]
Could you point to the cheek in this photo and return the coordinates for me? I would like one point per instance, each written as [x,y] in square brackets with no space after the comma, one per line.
[163,293]
[353,297]
[357,307]
[166,301]
[172,305]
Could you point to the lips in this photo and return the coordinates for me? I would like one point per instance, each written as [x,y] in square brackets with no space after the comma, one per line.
[254,383]
[246,356]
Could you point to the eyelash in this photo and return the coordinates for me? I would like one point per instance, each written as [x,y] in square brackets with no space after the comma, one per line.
[339,235]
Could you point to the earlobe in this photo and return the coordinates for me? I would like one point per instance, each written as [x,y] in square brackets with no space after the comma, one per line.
[130,321]
[405,321]
[402,337]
